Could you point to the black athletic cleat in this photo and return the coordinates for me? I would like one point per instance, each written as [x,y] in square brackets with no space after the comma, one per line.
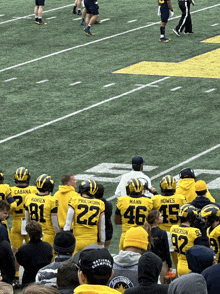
[98,21]
[79,12]
[88,33]
[36,20]
[164,39]
[83,23]
[40,22]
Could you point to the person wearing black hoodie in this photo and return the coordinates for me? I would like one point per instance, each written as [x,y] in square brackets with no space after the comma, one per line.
[149,268]
[199,258]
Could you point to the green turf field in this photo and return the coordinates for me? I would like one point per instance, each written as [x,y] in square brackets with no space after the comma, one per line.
[65,109]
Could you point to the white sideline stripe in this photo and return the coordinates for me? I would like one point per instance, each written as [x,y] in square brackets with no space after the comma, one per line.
[2,15]
[77,18]
[178,165]
[177,88]
[215,24]
[51,17]
[93,42]
[81,110]
[10,80]
[210,90]
[132,20]
[76,83]
[33,14]
[43,81]
[109,85]
[105,19]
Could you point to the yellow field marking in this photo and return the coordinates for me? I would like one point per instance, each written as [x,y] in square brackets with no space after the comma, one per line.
[206,65]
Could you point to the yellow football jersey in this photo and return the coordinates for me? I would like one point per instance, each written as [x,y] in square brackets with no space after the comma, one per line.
[169,207]
[133,210]
[86,216]
[183,238]
[63,195]
[5,190]
[214,240]
[19,194]
[40,208]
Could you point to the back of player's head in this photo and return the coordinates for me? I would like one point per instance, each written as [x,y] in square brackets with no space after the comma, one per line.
[4,206]
[66,178]
[67,275]
[44,183]
[188,213]
[168,185]
[22,175]
[64,243]
[201,188]
[187,173]
[34,230]
[210,213]
[134,187]
[100,191]
[88,187]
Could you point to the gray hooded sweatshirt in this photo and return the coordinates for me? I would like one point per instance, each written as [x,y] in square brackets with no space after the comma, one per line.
[192,283]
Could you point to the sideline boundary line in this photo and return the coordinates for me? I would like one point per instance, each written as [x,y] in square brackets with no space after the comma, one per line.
[178,165]
[96,41]
[82,110]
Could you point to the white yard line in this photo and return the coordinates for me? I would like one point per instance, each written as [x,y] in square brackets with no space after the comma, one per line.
[215,24]
[178,165]
[43,81]
[76,83]
[92,42]
[9,80]
[177,88]
[210,90]
[81,110]
[109,85]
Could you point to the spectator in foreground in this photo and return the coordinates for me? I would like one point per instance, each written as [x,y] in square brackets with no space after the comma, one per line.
[95,270]
[161,245]
[40,289]
[126,262]
[192,283]
[149,268]
[67,277]
[6,288]
[7,261]
[200,257]
[64,245]
[211,275]
[34,255]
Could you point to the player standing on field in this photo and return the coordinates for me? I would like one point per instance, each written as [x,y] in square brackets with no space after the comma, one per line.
[164,10]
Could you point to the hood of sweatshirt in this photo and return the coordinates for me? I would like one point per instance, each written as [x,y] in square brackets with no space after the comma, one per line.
[149,267]
[200,201]
[186,184]
[199,258]
[66,189]
[126,258]
[188,284]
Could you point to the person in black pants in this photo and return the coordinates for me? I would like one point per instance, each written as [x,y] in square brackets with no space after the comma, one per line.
[160,240]
[185,20]
[108,213]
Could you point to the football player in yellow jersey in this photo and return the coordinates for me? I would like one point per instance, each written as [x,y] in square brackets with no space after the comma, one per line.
[19,193]
[64,194]
[211,215]
[184,236]
[132,210]
[87,215]
[42,207]
[186,186]
[169,203]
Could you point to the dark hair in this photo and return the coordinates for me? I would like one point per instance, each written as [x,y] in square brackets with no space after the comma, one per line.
[4,205]
[152,216]
[34,230]
[201,193]
[66,178]
[137,167]
[40,289]
[98,279]
[100,192]
[67,275]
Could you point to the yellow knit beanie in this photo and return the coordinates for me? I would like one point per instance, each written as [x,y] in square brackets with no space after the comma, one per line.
[136,237]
